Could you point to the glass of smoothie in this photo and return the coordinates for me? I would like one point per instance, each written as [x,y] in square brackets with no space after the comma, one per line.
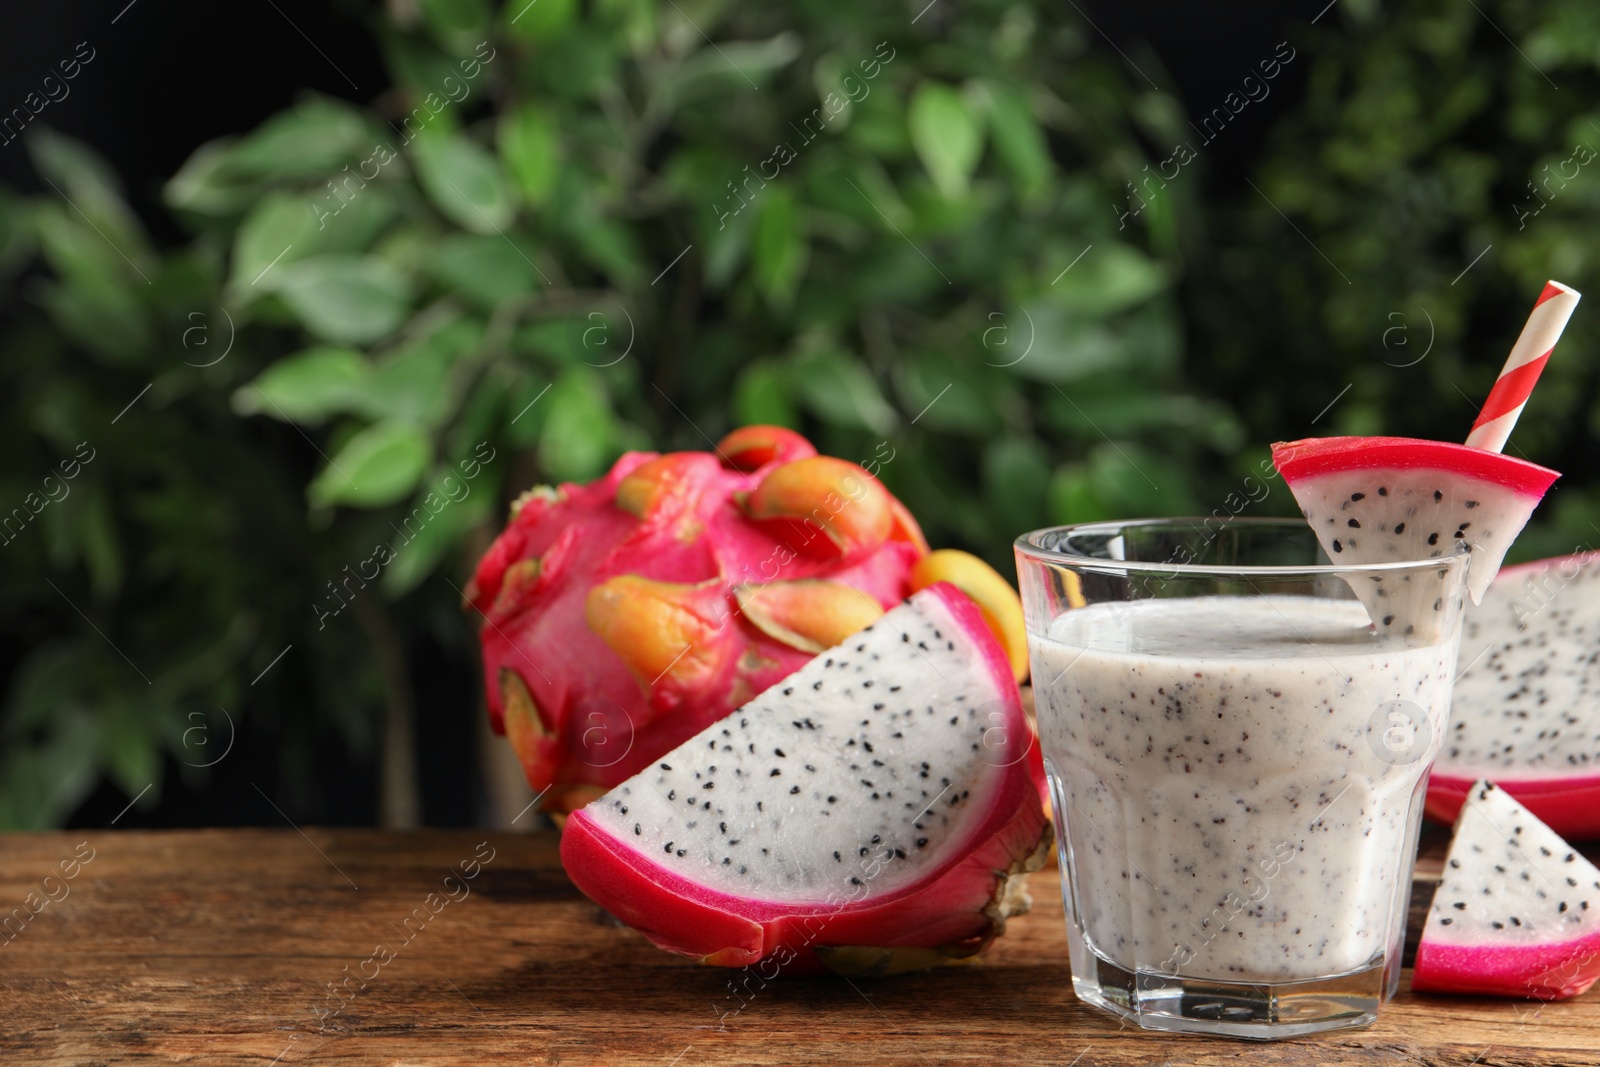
[1237,760]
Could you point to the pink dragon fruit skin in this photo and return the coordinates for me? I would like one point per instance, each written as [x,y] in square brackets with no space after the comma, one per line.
[612,621]
[950,906]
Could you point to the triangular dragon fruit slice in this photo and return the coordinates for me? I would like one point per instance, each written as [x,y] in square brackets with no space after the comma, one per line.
[1517,913]
[869,813]
[1523,708]
[1385,499]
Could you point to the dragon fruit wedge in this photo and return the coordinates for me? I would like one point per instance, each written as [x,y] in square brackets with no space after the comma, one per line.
[871,814]
[1384,499]
[1523,708]
[622,616]
[1517,913]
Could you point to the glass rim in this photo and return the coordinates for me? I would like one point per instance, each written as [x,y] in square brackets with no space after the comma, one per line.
[1025,546]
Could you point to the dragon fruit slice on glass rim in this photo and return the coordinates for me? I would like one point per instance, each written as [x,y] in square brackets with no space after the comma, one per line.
[1523,707]
[1381,499]
[1517,913]
[871,814]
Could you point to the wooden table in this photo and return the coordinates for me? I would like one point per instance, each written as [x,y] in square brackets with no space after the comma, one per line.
[219,947]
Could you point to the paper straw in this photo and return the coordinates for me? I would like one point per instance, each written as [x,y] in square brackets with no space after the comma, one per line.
[1528,357]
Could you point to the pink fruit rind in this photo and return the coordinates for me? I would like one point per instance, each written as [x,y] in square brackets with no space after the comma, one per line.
[1321,455]
[1543,972]
[1569,806]
[945,907]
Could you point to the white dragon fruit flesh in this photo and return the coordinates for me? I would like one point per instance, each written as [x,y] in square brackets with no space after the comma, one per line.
[870,813]
[1517,913]
[1524,708]
[1374,500]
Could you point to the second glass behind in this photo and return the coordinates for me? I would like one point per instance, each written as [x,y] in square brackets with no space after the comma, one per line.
[1237,757]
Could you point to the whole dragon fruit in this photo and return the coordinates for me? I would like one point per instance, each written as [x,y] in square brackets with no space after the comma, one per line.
[623,616]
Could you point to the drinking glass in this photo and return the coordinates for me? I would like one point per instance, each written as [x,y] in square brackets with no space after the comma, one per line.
[1237,756]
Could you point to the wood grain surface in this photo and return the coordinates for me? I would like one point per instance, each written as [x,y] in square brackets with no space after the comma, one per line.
[225,947]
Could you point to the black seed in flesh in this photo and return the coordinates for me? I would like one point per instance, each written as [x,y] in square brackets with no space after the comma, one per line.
[1337,547]
[1399,527]
[1358,496]
[1433,538]
[1354,524]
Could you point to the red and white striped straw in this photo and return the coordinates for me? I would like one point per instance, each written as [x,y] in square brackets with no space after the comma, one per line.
[1528,357]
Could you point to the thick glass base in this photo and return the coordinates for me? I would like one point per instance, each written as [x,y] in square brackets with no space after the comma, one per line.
[1259,1011]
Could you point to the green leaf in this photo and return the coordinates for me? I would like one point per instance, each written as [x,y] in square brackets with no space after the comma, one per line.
[306,387]
[418,65]
[280,230]
[205,186]
[1111,277]
[91,187]
[457,24]
[729,66]
[838,388]
[530,144]
[947,137]
[950,397]
[315,138]
[128,748]
[576,441]
[379,465]
[780,250]
[464,181]
[485,270]
[103,318]
[77,252]
[344,299]
[1072,496]
[538,20]
[1016,478]
[417,381]
[15,239]
[762,394]
[417,557]
[1018,140]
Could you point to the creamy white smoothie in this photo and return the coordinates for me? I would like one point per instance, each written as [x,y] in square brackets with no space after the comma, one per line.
[1237,776]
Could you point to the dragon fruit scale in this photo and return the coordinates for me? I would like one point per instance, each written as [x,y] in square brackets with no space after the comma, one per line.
[621,617]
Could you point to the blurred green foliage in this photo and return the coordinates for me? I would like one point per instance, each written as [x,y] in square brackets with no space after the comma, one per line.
[1436,174]
[571,230]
